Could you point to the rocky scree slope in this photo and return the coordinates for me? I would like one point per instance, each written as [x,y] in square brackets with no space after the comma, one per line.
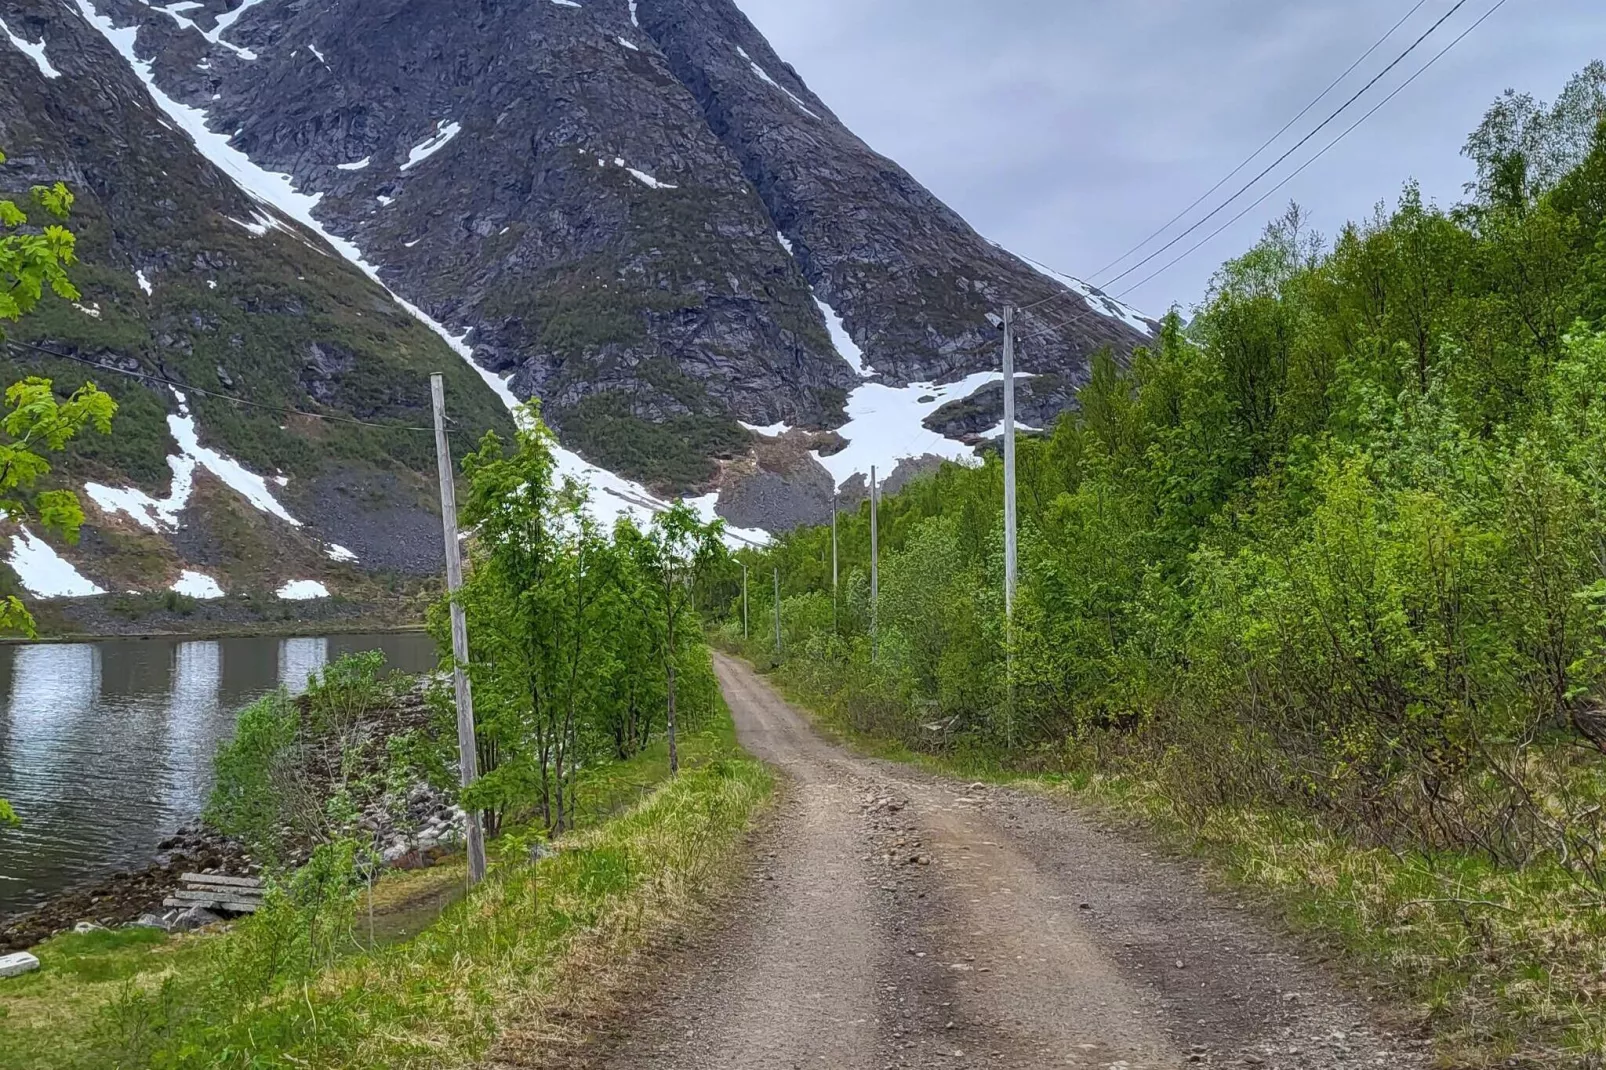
[190,282]
[640,213]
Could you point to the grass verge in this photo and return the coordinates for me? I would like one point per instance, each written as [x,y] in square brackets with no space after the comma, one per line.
[496,972]
[1504,967]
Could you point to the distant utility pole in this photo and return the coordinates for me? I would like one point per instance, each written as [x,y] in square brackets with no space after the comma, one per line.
[834,628]
[1010,546]
[468,762]
[744,601]
[1009,463]
[875,569]
[777,612]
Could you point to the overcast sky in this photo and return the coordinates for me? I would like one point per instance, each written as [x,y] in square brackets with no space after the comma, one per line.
[1069,129]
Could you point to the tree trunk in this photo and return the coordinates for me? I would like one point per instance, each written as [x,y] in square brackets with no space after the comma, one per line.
[674,759]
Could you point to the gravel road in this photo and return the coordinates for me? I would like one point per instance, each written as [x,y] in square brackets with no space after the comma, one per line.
[897,920]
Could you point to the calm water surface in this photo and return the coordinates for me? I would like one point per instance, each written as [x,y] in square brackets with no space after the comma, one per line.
[106,747]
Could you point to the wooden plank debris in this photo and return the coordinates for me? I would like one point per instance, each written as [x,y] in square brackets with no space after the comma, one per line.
[218,892]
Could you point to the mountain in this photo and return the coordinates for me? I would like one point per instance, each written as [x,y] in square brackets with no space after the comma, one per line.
[633,210]
[192,283]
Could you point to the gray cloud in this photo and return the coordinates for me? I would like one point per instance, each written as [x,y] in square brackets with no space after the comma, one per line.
[1069,130]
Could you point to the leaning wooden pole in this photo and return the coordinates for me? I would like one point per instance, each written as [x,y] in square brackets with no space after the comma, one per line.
[468,763]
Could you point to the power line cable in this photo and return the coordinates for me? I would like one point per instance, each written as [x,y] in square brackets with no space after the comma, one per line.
[1301,143]
[1331,118]
[1088,310]
[1334,84]
[1325,149]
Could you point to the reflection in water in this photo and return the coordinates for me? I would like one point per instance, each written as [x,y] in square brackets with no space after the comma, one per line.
[106,748]
[299,659]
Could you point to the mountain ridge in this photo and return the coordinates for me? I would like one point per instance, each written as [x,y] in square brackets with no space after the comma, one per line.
[637,213]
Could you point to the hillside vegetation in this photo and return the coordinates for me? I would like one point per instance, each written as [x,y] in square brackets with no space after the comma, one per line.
[1320,579]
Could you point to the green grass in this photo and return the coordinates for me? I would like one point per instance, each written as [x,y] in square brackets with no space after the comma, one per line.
[1505,967]
[506,965]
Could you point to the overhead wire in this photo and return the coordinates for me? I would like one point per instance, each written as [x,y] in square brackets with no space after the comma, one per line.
[1252,157]
[1301,143]
[1328,121]
[1325,149]
[1087,310]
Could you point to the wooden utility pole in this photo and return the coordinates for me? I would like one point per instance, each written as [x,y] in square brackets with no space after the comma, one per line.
[777,612]
[1010,534]
[1009,464]
[834,628]
[468,762]
[875,569]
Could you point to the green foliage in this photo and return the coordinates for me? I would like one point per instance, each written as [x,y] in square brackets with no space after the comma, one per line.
[293,774]
[577,637]
[247,799]
[8,816]
[33,259]
[35,422]
[1333,546]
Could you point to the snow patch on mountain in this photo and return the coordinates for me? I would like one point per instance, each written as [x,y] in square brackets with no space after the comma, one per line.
[764,76]
[357,165]
[444,132]
[846,347]
[772,431]
[163,514]
[303,591]
[1097,299]
[339,553]
[35,52]
[197,585]
[628,44]
[640,176]
[886,424]
[144,282]
[44,572]
[997,430]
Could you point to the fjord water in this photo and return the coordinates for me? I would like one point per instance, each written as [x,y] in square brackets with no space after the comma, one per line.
[106,747]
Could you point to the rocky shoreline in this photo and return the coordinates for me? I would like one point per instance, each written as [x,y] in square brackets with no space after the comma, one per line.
[412,832]
[124,897]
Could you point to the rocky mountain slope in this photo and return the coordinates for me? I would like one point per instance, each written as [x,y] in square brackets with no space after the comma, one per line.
[230,313]
[633,210]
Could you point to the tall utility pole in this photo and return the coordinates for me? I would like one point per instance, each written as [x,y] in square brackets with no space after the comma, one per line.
[1009,464]
[833,563]
[1010,543]
[744,601]
[777,612]
[468,761]
[875,569]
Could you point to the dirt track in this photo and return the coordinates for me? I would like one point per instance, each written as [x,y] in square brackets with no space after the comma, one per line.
[901,920]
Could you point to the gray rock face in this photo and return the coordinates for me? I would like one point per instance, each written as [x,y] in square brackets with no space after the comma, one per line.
[595,192]
[179,289]
[193,918]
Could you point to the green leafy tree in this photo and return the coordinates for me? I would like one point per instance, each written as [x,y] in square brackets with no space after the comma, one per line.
[668,559]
